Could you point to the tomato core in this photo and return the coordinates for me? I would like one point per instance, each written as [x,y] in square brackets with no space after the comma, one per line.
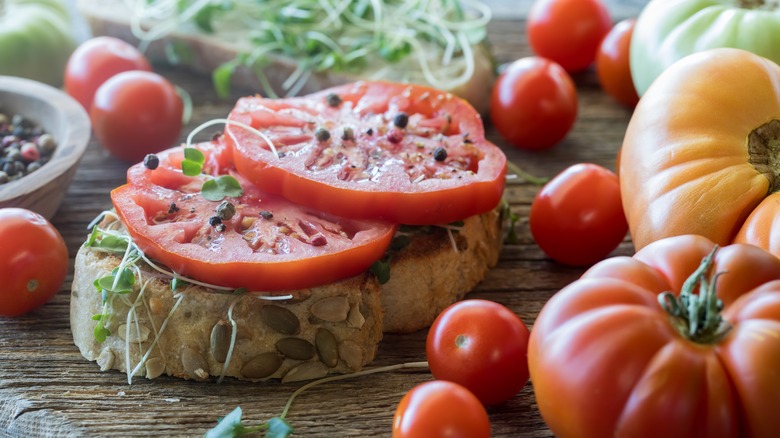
[764,152]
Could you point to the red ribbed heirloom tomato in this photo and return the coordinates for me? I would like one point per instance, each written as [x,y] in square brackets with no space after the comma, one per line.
[682,340]
[440,409]
[481,345]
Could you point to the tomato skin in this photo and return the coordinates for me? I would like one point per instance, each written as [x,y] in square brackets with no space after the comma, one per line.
[374,176]
[481,345]
[568,31]
[606,360]
[687,165]
[667,31]
[35,261]
[613,65]
[534,103]
[136,113]
[439,409]
[95,61]
[577,218]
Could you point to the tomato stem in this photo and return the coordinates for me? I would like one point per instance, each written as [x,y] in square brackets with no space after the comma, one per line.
[535,180]
[697,315]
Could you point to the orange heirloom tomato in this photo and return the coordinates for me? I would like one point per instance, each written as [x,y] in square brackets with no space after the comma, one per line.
[619,353]
[701,154]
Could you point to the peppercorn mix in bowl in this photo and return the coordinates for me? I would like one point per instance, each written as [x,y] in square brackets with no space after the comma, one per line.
[43,135]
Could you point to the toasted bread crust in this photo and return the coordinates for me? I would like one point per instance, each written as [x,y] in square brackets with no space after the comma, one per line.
[426,276]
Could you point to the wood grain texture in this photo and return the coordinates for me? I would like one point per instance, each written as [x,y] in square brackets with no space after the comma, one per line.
[48,389]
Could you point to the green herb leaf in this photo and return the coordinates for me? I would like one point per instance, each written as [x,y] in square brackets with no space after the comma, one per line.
[176,283]
[278,428]
[119,281]
[92,237]
[381,268]
[218,188]
[193,161]
[100,332]
[221,77]
[112,243]
[97,317]
[227,425]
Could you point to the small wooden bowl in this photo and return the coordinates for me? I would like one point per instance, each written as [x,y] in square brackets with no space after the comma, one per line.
[62,117]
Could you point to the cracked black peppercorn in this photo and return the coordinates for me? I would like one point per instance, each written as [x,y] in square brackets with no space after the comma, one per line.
[265,214]
[151,161]
[333,99]
[215,221]
[401,120]
[322,134]
[440,154]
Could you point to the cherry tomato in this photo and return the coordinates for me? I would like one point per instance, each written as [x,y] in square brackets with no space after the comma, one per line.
[481,345]
[268,244]
[136,113]
[577,218]
[403,153]
[95,61]
[613,64]
[440,409]
[534,103]
[35,261]
[568,31]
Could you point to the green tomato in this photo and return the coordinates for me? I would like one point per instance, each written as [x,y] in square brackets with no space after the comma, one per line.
[36,39]
[668,30]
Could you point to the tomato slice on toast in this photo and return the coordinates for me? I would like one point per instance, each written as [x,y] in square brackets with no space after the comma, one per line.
[404,153]
[269,243]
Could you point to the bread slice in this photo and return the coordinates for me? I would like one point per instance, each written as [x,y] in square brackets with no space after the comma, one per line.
[206,52]
[195,332]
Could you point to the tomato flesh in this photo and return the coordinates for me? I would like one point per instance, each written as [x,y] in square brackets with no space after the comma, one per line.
[402,153]
[270,244]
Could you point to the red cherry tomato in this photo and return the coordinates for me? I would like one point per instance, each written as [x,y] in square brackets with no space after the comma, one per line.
[577,218]
[35,261]
[568,31]
[613,66]
[95,61]
[136,113]
[481,345]
[534,103]
[440,409]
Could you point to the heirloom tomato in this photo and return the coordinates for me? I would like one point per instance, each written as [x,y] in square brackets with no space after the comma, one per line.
[534,103]
[440,409]
[481,345]
[266,243]
[682,340]
[35,261]
[702,157]
[398,152]
[568,31]
[577,218]
[613,66]
[666,31]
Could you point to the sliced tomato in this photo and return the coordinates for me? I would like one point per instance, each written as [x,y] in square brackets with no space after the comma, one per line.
[404,153]
[270,244]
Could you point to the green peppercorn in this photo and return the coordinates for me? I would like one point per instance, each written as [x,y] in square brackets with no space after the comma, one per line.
[348,134]
[225,210]
[322,134]
[334,99]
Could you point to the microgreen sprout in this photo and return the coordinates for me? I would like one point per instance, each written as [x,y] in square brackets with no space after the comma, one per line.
[419,41]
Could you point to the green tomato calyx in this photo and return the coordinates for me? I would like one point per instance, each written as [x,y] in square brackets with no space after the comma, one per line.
[697,315]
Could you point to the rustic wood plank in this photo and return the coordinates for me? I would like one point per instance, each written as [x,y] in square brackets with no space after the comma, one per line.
[48,389]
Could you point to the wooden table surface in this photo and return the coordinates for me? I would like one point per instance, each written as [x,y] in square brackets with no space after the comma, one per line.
[48,389]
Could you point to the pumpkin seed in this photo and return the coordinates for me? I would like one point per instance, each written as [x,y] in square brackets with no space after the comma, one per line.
[220,341]
[327,347]
[331,309]
[156,306]
[280,319]
[262,366]
[106,359]
[154,367]
[355,319]
[351,353]
[137,333]
[305,371]
[194,364]
[295,348]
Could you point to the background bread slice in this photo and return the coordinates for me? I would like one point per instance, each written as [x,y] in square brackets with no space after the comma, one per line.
[206,52]
[425,276]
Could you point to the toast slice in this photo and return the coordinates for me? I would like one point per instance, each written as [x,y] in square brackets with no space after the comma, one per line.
[194,332]
[206,52]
